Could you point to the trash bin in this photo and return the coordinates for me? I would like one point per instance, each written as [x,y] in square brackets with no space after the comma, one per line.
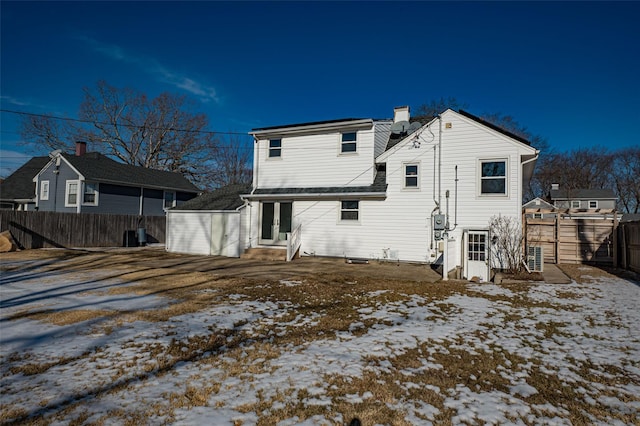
[142,236]
[129,239]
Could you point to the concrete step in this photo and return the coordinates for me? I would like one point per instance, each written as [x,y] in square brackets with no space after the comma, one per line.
[265,253]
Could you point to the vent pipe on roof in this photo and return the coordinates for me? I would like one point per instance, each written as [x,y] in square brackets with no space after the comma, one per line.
[400,114]
[81,148]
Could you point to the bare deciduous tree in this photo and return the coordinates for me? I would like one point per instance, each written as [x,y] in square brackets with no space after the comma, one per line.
[506,243]
[626,178]
[161,133]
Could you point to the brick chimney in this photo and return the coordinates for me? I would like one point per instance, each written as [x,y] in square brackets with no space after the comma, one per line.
[401,114]
[81,148]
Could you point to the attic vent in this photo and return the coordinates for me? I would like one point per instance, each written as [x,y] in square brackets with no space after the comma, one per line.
[535,258]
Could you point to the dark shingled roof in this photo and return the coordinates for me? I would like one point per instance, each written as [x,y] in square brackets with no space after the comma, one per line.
[311,123]
[494,127]
[19,185]
[379,185]
[600,194]
[97,167]
[225,198]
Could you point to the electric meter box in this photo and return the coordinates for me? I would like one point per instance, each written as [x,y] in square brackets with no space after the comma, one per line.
[439,221]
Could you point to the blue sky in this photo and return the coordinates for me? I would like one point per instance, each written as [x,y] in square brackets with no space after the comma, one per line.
[567,71]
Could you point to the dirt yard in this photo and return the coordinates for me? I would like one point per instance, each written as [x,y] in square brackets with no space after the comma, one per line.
[140,336]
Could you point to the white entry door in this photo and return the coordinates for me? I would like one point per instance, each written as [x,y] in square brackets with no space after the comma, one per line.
[275,222]
[477,255]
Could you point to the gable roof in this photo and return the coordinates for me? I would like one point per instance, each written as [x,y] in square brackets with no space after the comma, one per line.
[99,168]
[494,127]
[538,203]
[593,194]
[19,185]
[225,198]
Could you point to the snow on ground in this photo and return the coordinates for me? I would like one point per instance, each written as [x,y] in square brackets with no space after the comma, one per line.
[597,326]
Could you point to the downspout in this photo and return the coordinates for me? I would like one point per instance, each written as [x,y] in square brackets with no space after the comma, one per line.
[439,162]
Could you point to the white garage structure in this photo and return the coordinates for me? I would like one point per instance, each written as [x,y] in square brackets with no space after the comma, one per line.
[211,224]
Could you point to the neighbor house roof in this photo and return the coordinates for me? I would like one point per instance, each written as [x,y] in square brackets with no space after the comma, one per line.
[225,198]
[592,194]
[19,185]
[99,168]
[379,186]
[538,203]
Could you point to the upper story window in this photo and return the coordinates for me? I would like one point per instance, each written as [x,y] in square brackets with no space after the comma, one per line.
[169,199]
[349,210]
[44,190]
[575,204]
[493,177]
[71,193]
[90,193]
[348,142]
[411,175]
[275,148]
[593,204]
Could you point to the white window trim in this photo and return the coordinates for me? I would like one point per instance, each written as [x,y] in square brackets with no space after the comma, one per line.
[341,142]
[164,207]
[593,201]
[269,157]
[95,201]
[575,201]
[349,221]
[44,184]
[66,193]
[506,177]
[404,176]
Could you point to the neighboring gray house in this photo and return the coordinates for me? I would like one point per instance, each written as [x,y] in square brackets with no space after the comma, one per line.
[583,199]
[93,183]
[538,209]
[18,192]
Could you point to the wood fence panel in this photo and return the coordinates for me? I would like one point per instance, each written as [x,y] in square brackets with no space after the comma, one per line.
[53,229]
[629,240]
[567,239]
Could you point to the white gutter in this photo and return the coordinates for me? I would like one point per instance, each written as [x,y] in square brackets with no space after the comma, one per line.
[286,130]
[333,195]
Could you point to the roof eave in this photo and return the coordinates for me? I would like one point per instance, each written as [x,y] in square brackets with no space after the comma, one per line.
[310,128]
[317,195]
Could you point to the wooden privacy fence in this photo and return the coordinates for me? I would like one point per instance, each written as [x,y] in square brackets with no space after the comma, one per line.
[568,237]
[52,229]
[629,246]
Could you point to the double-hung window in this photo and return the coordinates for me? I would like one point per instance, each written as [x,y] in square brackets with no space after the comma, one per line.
[275,148]
[348,142]
[44,190]
[593,204]
[71,193]
[169,199]
[411,175]
[575,204]
[349,210]
[90,193]
[493,177]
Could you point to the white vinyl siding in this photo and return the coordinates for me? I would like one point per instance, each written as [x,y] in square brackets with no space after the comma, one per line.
[310,161]
[44,190]
[71,193]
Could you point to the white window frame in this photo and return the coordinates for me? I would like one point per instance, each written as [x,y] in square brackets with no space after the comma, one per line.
[95,193]
[273,149]
[575,204]
[595,202]
[538,216]
[405,175]
[353,142]
[505,177]
[164,199]
[342,210]
[44,190]
[67,192]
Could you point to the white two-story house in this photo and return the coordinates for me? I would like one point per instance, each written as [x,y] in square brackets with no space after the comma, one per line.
[387,189]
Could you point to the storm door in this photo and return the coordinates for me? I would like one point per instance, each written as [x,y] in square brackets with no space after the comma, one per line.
[275,222]
[477,255]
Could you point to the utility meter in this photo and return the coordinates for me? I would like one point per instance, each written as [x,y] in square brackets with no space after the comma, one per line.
[439,221]
[437,235]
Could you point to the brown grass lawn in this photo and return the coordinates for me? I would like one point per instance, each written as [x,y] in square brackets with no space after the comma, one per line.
[479,340]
